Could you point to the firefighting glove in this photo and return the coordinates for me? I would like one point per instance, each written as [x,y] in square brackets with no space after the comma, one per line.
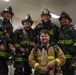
[52,63]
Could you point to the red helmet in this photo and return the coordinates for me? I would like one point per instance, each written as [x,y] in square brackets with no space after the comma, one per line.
[27,19]
[8,9]
[65,15]
[45,12]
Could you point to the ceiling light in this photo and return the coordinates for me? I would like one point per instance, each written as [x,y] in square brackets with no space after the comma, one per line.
[54,16]
[6,0]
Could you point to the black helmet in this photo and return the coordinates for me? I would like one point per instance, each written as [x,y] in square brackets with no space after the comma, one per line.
[65,15]
[27,19]
[8,9]
[45,12]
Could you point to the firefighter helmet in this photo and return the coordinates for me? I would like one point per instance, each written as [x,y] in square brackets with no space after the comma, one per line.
[65,15]
[45,12]
[8,9]
[27,19]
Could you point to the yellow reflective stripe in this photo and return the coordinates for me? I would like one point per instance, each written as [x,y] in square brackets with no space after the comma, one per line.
[74,44]
[36,66]
[4,54]
[38,58]
[27,42]
[68,41]
[17,45]
[68,56]
[65,41]
[49,58]
[51,32]
[32,43]
[9,39]
[24,42]
[61,41]
[19,59]
[1,33]
[58,62]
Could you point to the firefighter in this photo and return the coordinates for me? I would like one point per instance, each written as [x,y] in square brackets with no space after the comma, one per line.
[67,42]
[6,31]
[48,25]
[44,58]
[24,40]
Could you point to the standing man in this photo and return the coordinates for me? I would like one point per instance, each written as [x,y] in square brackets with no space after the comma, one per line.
[67,42]
[24,40]
[6,31]
[46,57]
[48,25]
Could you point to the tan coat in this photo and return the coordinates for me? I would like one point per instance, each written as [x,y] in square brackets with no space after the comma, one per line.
[32,60]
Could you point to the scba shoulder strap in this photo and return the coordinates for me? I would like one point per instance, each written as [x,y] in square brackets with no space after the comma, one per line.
[37,46]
